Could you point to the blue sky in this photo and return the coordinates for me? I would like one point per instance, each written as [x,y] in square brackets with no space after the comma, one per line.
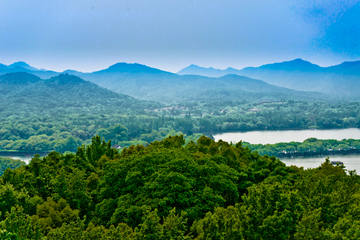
[89,35]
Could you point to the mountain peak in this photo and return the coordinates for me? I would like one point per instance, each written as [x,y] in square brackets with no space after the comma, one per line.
[194,66]
[71,72]
[297,64]
[19,78]
[131,68]
[208,72]
[22,64]
[298,60]
[231,69]
[65,78]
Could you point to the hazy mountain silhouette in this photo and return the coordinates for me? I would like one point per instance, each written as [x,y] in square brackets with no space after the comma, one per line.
[61,91]
[130,68]
[24,67]
[341,80]
[208,72]
[148,83]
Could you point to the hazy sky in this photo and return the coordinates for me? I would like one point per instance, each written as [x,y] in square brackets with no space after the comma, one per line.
[90,35]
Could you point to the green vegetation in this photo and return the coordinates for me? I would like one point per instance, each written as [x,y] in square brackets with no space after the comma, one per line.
[176,190]
[244,116]
[65,111]
[6,162]
[309,147]
[164,184]
[25,95]
[63,129]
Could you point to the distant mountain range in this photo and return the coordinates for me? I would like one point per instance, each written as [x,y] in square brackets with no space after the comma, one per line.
[27,92]
[148,83]
[24,67]
[341,80]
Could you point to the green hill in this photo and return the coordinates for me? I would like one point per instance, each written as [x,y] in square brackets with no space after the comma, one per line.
[31,94]
[6,162]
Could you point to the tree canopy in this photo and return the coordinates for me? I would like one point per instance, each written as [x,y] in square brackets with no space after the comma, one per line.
[171,189]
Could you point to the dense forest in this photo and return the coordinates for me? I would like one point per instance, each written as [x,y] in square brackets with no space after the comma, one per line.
[176,190]
[6,162]
[63,129]
[168,181]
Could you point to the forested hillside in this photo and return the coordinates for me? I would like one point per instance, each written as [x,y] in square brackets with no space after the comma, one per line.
[24,94]
[24,67]
[63,129]
[173,190]
[6,163]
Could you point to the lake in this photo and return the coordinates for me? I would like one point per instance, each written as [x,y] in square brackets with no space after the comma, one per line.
[351,162]
[264,137]
[272,137]
[26,158]
[22,158]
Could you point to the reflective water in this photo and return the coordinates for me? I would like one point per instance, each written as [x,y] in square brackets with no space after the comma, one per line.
[25,158]
[264,137]
[351,162]
[22,158]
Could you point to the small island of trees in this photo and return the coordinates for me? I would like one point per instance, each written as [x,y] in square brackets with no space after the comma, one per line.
[307,148]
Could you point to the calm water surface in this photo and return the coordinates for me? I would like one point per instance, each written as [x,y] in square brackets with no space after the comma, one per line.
[351,162]
[264,137]
[255,137]
[24,158]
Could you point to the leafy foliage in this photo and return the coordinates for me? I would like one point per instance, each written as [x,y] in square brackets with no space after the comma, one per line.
[176,190]
[64,129]
[6,162]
